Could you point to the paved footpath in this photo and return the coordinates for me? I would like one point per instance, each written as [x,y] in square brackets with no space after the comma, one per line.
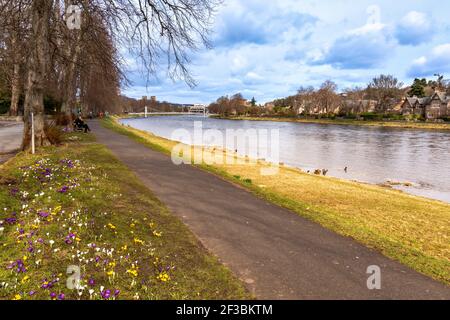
[278,254]
[10,138]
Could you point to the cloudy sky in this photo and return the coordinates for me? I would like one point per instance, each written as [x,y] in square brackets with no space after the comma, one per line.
[268,49]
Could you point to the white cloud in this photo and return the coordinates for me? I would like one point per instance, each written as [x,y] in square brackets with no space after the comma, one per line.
[415,28]
[360,48]
[438,61]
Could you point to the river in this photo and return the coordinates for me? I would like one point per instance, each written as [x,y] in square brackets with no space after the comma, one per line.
[371,154]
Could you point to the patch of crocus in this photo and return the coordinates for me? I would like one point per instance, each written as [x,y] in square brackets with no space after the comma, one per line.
[53,296]
[48,284]
[11,221]
[61,296]
[20,266]
[163,277]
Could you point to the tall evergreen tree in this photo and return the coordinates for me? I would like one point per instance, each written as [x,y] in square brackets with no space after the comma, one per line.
[418,88]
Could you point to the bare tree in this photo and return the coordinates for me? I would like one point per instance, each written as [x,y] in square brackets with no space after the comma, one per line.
[327,98]
[385,89]
[37,68]
[157,32]
[14,27]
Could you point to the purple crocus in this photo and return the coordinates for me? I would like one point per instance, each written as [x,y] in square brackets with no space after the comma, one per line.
[106,294]
[64,189]
[20,266]
[43,214]
[69,239]
[11,221]
[61,296]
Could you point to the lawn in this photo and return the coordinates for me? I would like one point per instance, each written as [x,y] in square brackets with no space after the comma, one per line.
[409,229]
[76,208]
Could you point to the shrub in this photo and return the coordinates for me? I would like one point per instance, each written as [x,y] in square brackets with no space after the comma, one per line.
[351,116]
[54,133]
[371,116]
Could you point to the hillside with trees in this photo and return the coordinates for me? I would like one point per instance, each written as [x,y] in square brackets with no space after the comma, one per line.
[380,98]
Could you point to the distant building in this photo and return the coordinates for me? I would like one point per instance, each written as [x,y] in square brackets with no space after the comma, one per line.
[198,108]
[431,108]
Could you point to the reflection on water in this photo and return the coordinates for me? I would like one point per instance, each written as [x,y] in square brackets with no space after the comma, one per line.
[371,154]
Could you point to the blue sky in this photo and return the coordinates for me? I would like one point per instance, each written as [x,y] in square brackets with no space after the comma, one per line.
[268,49]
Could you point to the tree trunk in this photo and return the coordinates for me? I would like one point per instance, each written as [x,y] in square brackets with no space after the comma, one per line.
[15,78]
[37,65]
[68,103]
[15,90]
[72,54]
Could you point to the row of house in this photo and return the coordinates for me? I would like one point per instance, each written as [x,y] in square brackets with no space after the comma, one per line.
[434,107]
[431,108]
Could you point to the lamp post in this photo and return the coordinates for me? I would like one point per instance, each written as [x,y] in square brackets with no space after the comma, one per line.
[33,149]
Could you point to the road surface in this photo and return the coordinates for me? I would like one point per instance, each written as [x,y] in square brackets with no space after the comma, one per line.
[10,138]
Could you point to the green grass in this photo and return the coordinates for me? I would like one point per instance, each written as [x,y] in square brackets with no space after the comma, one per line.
[155,255]
[410,229]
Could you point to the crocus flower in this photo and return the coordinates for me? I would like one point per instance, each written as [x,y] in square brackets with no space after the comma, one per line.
[63,189]
[43,214]
[106,294]
[70,237]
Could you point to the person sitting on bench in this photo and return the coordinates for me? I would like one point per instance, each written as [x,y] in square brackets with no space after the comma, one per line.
[79,124]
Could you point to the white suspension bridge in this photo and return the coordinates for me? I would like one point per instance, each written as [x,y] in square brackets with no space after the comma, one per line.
[199,109]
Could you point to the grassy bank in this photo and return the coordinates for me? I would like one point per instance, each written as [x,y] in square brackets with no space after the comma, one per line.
[77,205]
[387,124]
[410,229]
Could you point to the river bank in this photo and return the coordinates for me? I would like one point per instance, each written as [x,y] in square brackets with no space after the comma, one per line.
[387,124]
[409,229]
[76,204]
